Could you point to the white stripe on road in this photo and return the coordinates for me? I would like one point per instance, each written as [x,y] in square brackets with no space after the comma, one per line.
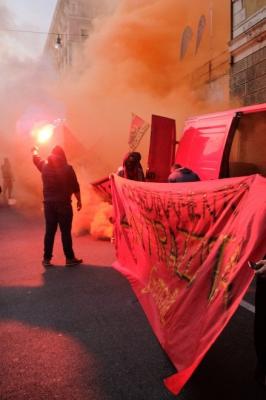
[248,306]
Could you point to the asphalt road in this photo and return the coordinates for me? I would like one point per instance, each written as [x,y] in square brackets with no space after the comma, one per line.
[80,333]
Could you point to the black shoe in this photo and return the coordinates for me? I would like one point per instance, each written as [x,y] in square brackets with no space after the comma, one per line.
[47,263]
[71,262]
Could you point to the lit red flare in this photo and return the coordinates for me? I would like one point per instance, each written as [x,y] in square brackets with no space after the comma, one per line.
[43,134]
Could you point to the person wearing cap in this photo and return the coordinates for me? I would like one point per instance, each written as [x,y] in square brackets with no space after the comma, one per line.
[59,183]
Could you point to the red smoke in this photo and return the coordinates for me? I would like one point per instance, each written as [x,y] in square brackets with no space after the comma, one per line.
[130,63]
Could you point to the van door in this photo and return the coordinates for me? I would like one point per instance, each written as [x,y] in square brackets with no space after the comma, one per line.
[162,148]
[230,143]
[205,144]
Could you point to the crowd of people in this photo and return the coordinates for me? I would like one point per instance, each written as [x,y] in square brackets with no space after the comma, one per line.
[60,183]
[132,169]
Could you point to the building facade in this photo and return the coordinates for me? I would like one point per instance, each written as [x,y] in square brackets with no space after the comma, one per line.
[71,26]
[248,51]
[207,32]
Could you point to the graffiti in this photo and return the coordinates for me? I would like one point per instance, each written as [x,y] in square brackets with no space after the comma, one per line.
[216,271]
[184,250]
[174,231]
[163,297]
[223,273]
[182,208]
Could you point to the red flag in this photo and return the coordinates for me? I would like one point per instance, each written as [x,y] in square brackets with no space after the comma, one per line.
[184,248]
[137,130]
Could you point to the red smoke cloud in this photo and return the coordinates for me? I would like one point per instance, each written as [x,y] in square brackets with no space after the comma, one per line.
[130,63]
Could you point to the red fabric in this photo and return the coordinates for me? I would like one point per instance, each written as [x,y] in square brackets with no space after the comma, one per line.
[162,148]
[103,187]
[184,248]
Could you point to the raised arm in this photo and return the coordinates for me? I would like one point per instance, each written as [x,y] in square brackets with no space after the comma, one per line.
[36,158]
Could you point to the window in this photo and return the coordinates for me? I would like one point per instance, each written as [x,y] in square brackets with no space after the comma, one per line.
[200,30]
[186,38]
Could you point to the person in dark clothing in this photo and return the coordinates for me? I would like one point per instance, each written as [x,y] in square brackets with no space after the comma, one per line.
[182,174]
[8,179]
[132,168]
[260,322]
[59,183]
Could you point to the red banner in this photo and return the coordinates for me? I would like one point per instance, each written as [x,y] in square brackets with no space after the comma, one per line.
[137,130]
[184,249]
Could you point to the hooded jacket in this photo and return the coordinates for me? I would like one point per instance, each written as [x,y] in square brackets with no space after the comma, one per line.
[58,177]
[132,168]
[183,175]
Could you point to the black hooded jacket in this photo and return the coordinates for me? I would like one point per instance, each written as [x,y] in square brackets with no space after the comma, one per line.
[58,177]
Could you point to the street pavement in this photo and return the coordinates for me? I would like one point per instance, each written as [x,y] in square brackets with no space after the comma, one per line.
[80,333]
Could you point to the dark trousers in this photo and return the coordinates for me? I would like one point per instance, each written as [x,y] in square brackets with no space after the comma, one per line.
[61,214]
[260,322]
